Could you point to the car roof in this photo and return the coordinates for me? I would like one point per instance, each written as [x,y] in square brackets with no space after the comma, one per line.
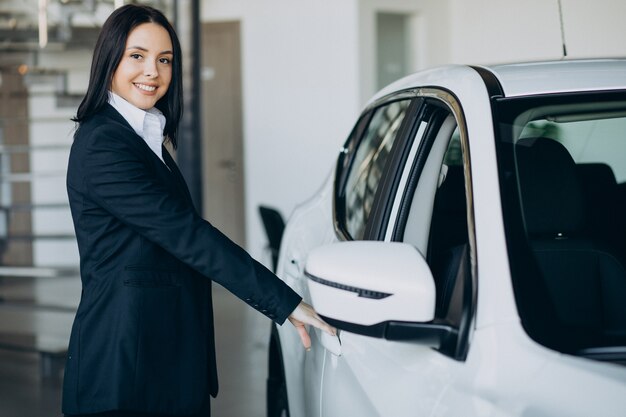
[560,76]
[522,79]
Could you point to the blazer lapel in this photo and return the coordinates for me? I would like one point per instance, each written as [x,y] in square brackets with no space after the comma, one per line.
[169,170]
[176,173]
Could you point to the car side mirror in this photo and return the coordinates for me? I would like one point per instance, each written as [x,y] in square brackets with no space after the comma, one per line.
[379,289]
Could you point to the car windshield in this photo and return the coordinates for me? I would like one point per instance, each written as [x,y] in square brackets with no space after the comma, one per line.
[562,161]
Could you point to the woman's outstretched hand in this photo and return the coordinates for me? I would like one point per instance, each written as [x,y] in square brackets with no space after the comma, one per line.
[305,314]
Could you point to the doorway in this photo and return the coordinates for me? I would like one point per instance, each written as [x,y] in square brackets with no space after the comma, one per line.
[222,145]
[393,47]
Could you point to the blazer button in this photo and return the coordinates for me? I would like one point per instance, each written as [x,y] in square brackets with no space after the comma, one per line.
[263,311]
[256,306]
[248,299]
[271,316]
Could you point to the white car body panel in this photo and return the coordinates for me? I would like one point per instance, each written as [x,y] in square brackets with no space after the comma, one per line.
[506,373]
[304,393]
[358,388]
[560,76]
[411,280]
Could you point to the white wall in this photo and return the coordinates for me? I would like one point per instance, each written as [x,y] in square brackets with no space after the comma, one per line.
[497,31]
[595,28]
[430,36]
[300,96]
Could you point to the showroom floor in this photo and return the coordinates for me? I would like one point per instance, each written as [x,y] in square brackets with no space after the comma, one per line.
[44,307]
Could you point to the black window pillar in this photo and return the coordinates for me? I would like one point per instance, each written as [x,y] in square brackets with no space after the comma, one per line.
[189,153]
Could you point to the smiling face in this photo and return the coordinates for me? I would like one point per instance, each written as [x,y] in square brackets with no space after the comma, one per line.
[145,70]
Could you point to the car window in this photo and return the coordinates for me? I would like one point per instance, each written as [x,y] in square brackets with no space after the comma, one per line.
[563,167]
[425,183]
[435,220]
[580,138]
[367,165]
[448,245]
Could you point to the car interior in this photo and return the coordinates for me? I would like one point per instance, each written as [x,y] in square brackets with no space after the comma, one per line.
[566,210]
[417,228]
[438,225]
[573,213]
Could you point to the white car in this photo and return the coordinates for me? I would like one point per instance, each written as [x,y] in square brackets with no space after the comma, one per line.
[471,248]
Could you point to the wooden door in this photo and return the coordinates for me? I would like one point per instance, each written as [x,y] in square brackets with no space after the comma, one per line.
[222,145]
[15,196]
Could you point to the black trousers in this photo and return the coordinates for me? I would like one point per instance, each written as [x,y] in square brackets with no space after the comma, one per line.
[204,412]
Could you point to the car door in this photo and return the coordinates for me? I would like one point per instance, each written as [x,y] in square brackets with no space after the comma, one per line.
[420,199]
[365,154]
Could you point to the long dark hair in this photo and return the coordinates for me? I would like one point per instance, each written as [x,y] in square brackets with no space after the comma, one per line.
[108,53]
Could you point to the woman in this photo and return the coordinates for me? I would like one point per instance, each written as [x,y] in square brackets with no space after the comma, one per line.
[142,340]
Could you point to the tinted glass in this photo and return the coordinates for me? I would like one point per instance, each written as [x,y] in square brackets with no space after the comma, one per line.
[368,163]
[563,167]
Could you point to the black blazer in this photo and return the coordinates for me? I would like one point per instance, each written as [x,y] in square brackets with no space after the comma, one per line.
[142,339]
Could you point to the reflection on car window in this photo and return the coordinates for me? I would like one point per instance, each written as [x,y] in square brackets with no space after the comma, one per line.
[581,138]
[454,155]
[569,165]
[368,164]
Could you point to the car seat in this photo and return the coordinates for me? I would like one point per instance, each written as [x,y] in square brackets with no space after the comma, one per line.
[584,279]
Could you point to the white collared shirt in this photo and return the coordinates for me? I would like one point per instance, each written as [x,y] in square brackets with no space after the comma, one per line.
[148,124]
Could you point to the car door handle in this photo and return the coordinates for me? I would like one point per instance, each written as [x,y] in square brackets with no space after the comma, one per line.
[331,343]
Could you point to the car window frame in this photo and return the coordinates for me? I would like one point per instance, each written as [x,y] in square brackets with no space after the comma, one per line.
[433,119]
[348,152]
[381,209]
[524,268]
[445,99]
